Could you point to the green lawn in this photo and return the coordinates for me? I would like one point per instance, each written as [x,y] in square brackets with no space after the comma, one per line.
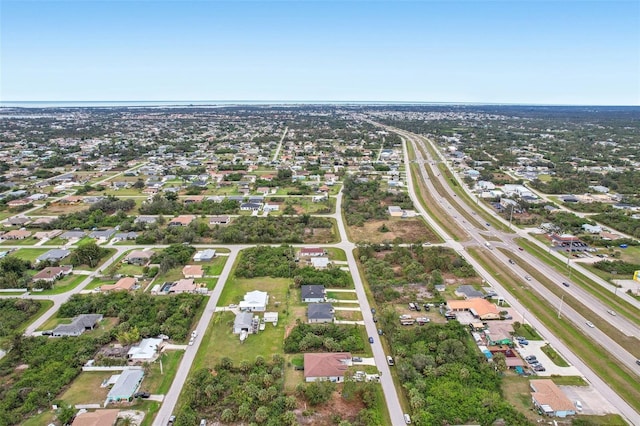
[336,254]
[342,295]
[68,283]
[215,266]
[44,418]
[159,383]
[554,356]
[235,289]
[210,282]
[30,254]
[219,341]
[129,269]
[568,380]
[25,242]
[45,305]
[97,282]
[85,389]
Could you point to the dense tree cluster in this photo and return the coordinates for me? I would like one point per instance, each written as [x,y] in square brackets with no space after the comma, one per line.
[52,365]
[105,213]
[151,316]
[446,380]
[173,256]
[324,338]
[406,265]
[617,266]
[270,229]
[167,205]
[266,261]
[620,221]
[13,272]
[15,312]
[364,200]
[249,393]
[88,254]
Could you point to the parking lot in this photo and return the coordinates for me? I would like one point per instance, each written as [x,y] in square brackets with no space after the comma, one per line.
[592,402]
[535,348]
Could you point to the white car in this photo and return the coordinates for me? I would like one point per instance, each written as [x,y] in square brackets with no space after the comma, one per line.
[590,324]
[612,312]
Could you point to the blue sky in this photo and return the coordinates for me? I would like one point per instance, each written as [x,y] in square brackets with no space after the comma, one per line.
[549,52]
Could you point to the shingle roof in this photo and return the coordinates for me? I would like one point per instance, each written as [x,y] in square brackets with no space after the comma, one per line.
[326,364]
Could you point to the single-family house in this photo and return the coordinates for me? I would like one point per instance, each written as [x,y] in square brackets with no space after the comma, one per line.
[126,385]
[182,220]
[549,398]
[125,236]
[219,220]
[250,206]
[53,255]
[107,417]
[313,293]
[123,284]
[18,221]
[147,220]
[271,207]
[139,257]
[479,308]
[102,235]
[52,273]
[326,366]
[41,235]
[72,235]
[185,285]
[254,301]
[592,229]
[312,251]
[319,313]
[395,211]
[16,234]
[193,271]
[204,255]
[79,325]
[319,262]
[145,351]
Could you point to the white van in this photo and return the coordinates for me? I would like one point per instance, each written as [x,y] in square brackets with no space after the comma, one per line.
[407,419]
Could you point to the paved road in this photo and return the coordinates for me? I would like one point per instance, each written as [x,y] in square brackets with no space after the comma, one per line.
[171,398]
[277,153]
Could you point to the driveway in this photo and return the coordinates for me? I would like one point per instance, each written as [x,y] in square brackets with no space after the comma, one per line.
[365,361]
[535,348]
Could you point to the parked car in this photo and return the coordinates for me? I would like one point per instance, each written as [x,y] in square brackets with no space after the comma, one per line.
[47,333]
[534,362]
[638,361]
[530,358]
[407,419]
[172,419]
[356,359]
[141,395]
[373,310]
[194,333]
[191,341]
[590,324]
[375,319]
[390,360]
[523,342]
[539,367]
[380,332]
[370,339]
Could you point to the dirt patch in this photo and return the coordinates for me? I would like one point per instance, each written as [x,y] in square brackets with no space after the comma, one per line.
[324,415]
[408,230]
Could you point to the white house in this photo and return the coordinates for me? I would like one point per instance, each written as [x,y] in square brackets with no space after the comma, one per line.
[145,351]
[254,301]
[204,255]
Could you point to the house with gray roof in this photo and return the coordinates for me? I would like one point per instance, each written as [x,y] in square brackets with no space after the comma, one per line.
[312,293]
[243,322]
[79,325]
[102,235]
[319,313]
[53,255]
[72,235]
[468,292]
[126,385]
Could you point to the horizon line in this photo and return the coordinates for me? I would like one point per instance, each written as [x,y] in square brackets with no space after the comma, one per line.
[211,102]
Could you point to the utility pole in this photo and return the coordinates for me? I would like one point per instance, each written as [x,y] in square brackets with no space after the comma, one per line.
[560,307]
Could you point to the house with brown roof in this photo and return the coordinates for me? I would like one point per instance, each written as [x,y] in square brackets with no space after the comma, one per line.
[312,251]
[550,399]
[326,366]
[182,220]
[139,257]
[52,273]
[96,418]
[479,308]
[123,284]
[193,271]
[16,235]
[185,285]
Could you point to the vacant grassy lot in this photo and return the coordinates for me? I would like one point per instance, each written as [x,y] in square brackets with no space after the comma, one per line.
[30,254]
[24,242]
[215,266]
[336,254]
[413,230]
[67,283]
[235,289]
[57,209]
[341,295]
[85,389]
[517,392]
